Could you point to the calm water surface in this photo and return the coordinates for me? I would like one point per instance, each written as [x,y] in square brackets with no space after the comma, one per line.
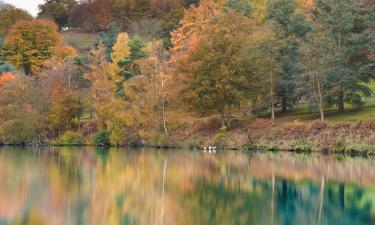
[153,187]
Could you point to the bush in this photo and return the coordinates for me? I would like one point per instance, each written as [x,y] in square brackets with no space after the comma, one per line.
[295,129]
[69,138]
[250,146]
[212,125]
[342,126]
[161,140]
[221,137]
[101,138]
[317,126]
[260,124]
[302,146]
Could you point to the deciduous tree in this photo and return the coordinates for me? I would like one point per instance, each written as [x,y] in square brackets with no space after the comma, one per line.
[30,43]
[57,10]
[21,111]
[216,75]
[9,15]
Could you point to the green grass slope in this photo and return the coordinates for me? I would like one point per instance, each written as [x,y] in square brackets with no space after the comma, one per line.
[82,42]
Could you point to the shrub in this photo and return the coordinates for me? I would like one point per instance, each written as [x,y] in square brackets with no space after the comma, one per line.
[302,146]
[338,145]
[220,137]
[212,125]
[295,129]
[317,127]
[273,147]
[341,125]
[162,140]
[88,128]
[101,138]
[260,124]
[69,138]
[250,146]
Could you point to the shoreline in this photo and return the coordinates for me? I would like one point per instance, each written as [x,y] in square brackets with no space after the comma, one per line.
[350,153]
[340,138]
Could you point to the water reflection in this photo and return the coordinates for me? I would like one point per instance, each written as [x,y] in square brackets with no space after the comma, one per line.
[151,187]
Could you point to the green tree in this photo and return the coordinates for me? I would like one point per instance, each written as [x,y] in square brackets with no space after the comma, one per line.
[57,10]
[170,23]
[346,25]
[108,39]
[101,138]
[315,65]
[4,67]
[241,6]
[129,66]
[290,27]
[265,55]
[217,75]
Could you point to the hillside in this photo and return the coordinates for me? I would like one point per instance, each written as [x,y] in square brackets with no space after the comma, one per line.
[82,42]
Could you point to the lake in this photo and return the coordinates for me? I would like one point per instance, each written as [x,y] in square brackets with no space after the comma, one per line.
[79,186]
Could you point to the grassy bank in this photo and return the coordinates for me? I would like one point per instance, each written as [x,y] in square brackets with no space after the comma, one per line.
[356,138]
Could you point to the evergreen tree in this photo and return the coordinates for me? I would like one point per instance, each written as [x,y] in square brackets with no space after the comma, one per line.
[170,23]
[347,29]
[128,66]
[108,39]
[57,10]
[289,27]
[4,67]
[240,6]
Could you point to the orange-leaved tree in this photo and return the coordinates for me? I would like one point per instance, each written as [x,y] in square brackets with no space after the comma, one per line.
[9,15]
[6,77]
[29,44]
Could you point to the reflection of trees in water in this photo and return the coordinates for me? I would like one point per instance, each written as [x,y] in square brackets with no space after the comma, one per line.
[212,204]
[116,187]
[295,203]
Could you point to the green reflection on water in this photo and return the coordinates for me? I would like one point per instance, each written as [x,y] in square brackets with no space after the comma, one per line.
[118,186]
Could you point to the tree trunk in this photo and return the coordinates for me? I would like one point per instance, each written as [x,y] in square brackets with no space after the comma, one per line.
[163,107]
[222,119]
[284,106]
[272,101]
[341,102]
[321,110]
[272,107]
[320,96]
[228,124]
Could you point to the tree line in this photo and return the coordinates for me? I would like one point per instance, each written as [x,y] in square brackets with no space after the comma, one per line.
[97,15]
[216,57]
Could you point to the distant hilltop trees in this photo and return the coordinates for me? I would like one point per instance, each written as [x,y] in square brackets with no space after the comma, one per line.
[97,15]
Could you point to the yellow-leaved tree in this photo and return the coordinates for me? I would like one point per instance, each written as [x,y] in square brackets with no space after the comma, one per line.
[108,106]
[29,44]
[120,51]
[103,91]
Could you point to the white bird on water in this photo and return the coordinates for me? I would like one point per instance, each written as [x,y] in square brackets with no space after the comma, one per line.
[211,149]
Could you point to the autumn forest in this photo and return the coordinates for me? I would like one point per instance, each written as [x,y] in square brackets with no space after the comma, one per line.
[239,74]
